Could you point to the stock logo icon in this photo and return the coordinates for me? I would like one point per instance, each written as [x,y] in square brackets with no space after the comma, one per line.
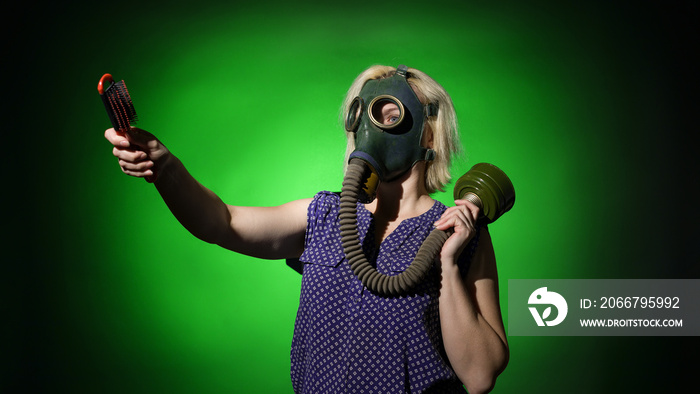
[543,297]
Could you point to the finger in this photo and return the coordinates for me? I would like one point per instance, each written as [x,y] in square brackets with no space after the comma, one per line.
[139,167]
[446,216]
[116,138]
[463,220]
[463,209]
[449,219]
[455,217]
[473,208]
[139,137]
[140,174]
[129,154]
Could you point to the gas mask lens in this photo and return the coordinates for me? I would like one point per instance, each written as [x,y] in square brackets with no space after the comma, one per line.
[386,112]
[354,114]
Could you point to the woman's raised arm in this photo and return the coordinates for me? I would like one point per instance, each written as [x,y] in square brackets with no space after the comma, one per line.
[264,232]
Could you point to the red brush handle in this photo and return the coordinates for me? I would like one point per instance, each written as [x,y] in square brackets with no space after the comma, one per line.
[101,85]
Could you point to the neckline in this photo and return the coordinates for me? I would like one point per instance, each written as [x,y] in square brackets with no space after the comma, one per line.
[403,223]
[432,207]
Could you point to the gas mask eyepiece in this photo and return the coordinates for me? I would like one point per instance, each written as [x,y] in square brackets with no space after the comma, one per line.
[354,114]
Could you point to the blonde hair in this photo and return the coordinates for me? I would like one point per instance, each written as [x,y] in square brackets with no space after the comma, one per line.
[443,126]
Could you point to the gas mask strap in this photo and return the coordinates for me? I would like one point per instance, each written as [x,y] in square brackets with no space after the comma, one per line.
[402,70]
[431,109]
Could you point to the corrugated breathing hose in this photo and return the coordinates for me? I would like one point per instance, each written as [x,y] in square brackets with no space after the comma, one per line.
[386,285]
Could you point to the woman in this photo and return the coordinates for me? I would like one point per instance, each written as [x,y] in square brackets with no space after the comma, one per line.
[445,332]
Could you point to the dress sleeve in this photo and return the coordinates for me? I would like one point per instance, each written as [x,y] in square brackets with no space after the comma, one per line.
[322,240]
[317,216]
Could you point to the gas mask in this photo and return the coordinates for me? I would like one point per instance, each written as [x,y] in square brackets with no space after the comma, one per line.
[388,121]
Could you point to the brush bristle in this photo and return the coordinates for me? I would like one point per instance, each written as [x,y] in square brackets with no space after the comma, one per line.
[122,106]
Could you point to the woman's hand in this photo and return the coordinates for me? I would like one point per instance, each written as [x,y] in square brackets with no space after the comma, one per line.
[139,152]
[462,218]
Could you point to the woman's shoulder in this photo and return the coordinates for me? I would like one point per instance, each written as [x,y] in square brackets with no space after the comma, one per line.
[325,197]
[325,194]
[324,203]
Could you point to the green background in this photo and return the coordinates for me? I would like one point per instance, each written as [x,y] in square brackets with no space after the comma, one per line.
[586,107]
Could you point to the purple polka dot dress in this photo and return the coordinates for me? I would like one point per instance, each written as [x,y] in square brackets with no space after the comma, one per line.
[349,340]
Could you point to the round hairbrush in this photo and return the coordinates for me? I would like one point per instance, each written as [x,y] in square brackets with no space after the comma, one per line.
[119,106]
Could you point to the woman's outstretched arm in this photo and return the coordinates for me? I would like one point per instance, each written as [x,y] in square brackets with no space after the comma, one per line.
[264,232]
